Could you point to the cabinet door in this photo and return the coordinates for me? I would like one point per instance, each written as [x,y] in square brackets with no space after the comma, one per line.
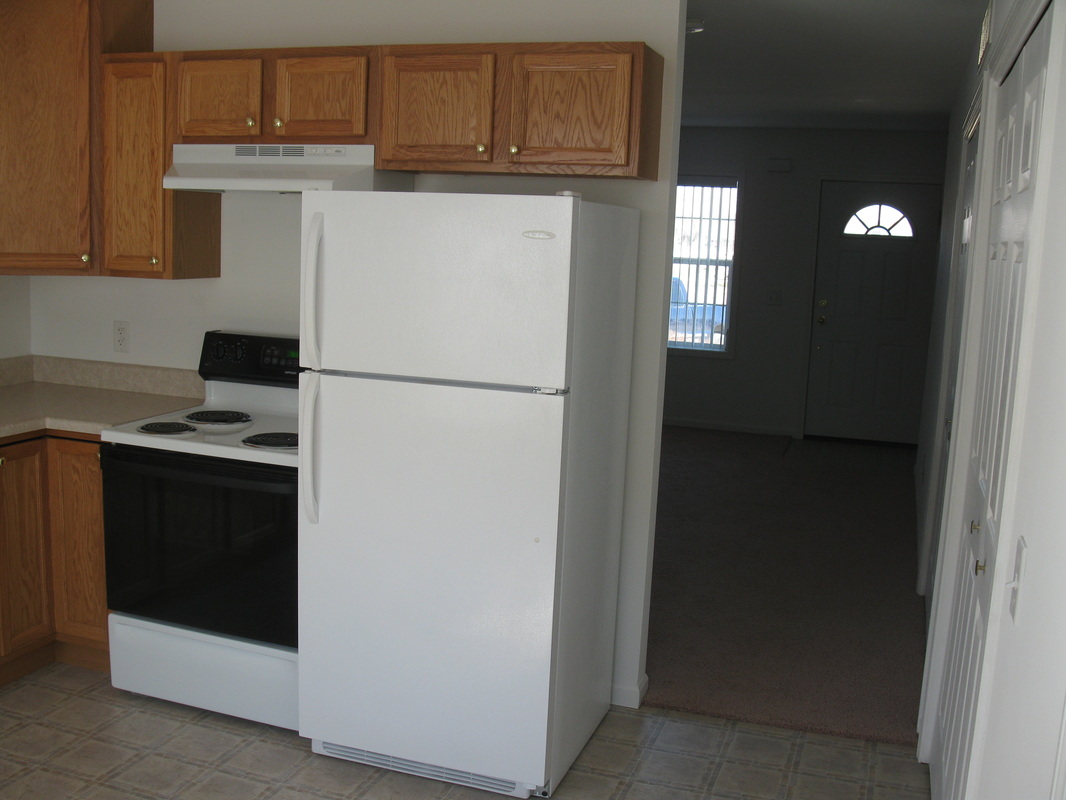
[44,137]
[25,605]
[220,97]
[322,96]
[570,108]
[133,164]
[76,516]
[437,108]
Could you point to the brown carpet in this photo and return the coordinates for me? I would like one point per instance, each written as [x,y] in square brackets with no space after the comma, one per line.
[783,584]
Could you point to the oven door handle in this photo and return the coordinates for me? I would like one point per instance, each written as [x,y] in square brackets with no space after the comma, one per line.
[309,344]
[308,401]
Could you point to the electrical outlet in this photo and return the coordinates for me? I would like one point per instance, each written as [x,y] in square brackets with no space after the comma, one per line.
[121,336]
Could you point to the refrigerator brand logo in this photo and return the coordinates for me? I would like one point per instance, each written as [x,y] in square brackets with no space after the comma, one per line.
[538,234]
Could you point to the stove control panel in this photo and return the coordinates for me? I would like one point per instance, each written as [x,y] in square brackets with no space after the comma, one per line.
[250,358]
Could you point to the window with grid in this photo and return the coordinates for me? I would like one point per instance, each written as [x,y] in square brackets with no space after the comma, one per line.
[705,224]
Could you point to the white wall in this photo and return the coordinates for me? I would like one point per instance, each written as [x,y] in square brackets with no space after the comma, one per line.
[73,317]
[761,386]
[14,316]
[258,293]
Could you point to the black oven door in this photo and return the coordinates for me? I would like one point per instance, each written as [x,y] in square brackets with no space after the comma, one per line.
[207,543]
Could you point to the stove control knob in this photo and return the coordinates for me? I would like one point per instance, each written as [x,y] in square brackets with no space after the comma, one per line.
[239,352]
[220,351]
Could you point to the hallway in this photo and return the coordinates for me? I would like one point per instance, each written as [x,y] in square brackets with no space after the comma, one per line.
[784,584]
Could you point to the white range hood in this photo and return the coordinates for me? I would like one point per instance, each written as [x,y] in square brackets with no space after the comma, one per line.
[278,168]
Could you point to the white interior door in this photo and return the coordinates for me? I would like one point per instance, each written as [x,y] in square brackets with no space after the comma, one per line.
[870,321]
[932,515]
[427,585]
[988,391]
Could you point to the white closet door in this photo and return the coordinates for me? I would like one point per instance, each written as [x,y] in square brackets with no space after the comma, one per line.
[998,304]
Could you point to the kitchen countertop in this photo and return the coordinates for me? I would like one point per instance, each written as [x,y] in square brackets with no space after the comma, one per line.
[26,407]
[87,396]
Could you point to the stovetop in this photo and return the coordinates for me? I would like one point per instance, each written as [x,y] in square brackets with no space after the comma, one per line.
[251,390]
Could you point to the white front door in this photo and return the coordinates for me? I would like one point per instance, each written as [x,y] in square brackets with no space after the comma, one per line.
[870,320]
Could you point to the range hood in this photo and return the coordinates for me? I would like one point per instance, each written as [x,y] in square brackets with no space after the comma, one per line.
[278,168]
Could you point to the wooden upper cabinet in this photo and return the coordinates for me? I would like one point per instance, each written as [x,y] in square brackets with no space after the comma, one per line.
[570,108]
[437,108]
[551,108]
[44,137]
[25,597]
[220,97]
[321,96]
[149,231]
[133,165]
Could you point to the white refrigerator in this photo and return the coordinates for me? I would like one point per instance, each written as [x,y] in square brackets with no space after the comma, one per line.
[463,424]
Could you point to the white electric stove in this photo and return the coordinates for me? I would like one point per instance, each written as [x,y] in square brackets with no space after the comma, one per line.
[249,411]
[200,528]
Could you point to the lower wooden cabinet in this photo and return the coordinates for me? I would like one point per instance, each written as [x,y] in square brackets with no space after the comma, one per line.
[53,595]
[76,526]
[25,596]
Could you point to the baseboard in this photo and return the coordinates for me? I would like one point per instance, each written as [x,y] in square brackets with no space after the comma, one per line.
[28,662]
[683,422]
[630,696]
[86,653]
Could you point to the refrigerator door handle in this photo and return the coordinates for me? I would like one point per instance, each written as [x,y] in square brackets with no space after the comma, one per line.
[306,450]
[309,307]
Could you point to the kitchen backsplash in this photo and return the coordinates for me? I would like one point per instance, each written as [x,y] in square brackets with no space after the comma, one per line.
[101,375]
[18,369]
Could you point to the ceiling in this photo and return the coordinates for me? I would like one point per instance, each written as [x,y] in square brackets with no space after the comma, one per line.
[828,63]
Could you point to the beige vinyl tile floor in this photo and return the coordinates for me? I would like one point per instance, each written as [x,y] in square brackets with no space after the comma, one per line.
[66,733]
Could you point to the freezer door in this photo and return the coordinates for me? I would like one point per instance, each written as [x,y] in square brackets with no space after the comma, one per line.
[427,584]
[472,288]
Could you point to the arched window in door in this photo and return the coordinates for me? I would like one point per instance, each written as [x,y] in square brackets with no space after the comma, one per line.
[879,220]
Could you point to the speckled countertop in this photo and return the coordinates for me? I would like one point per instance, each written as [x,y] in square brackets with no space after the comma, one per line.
[60,394]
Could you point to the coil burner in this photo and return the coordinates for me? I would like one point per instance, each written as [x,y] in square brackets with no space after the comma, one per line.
[272,441]
[212,416]
[166,428]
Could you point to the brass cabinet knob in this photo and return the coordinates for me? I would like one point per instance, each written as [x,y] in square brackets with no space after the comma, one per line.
[975,526]
[249,122]
[85,257]
[513,149]
[821,320]
[480,148]
[2,461]
[153,261]
[277,122]
[978,567]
